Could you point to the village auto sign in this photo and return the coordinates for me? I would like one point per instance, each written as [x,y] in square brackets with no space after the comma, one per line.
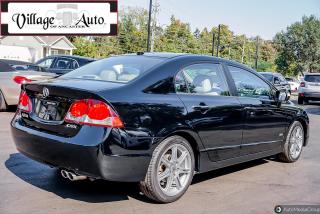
[59,18]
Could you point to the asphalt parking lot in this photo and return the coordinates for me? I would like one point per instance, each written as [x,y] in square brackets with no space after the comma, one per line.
[255,187]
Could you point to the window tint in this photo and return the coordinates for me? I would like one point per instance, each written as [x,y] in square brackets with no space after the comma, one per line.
[63,63]
[268,76]
[312,78]
[74,64]
[207,79]
[115,69]
[46,63]
[180,83]
[248,84]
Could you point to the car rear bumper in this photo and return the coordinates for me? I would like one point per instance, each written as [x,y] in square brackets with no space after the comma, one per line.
[310,95]
[100,158]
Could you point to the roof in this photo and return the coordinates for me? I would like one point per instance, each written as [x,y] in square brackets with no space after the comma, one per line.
[14,62]
[73,56]
[312,74]
[51,40]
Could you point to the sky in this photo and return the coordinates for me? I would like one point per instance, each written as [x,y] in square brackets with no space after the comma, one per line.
[250,17]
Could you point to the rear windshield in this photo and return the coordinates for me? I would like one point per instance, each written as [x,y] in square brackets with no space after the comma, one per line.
[268,76]
[312,78]
[115,69]
[26,67]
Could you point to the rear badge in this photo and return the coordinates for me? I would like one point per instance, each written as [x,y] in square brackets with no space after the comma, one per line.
[71,126]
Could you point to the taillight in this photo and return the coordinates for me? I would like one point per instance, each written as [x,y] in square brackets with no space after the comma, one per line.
[24,102]
[93,112]
[21,80]
[302,84]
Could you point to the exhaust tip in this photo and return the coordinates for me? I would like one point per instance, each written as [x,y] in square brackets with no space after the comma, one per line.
[70,176]
[64,173]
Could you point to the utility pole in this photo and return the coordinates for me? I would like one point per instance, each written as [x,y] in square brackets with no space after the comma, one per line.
[155,10]
[218,45]
[257,53]
[242,54]
[213,38]
[149,26]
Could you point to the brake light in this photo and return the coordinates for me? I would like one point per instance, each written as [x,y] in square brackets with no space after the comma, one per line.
[94,113]
[24,102]
[302,84]
[21,80]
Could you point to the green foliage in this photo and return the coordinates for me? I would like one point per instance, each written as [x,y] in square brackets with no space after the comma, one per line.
[293,51]
[298,47]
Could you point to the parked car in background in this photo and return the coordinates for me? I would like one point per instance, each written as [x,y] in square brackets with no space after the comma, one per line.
[294,84]
[157,119]
[12,74]
[278,81]
[61,64]
[309,88]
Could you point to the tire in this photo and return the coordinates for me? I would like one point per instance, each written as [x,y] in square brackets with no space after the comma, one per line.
[157,189]
[3,104]
[300,100]
[290,151]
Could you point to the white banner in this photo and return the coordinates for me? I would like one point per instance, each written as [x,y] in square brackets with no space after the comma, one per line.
[39,18]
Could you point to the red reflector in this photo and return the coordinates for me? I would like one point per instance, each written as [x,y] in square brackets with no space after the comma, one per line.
[79,108]
[98,111]
[301,95]
[21,79]
[24,102]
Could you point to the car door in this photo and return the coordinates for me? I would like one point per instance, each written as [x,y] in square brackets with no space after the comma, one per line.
[62,65]
[264,121]
[212,112]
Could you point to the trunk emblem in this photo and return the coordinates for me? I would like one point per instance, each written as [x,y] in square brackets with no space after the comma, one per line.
[45,92]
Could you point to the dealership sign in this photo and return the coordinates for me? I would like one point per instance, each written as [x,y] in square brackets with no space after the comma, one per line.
[59,18]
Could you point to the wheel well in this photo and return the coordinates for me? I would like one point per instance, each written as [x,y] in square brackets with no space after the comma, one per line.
[193,144]
[305,129]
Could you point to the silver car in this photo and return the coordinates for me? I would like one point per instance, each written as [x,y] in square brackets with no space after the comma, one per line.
[13,73]
[309,88]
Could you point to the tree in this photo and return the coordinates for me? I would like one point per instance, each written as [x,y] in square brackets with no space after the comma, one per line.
[298,47]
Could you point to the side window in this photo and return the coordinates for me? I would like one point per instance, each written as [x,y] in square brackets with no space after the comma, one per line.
[248,84]
[63,63]
[46,63]
[276,80]
[74,64]
[205,79]
[180,83]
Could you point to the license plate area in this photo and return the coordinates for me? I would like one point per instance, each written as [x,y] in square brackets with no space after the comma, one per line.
[47,110]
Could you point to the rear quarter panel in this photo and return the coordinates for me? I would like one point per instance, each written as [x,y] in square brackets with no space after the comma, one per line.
[9,88]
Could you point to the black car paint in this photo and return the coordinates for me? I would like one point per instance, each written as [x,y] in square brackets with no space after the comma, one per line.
[232,130]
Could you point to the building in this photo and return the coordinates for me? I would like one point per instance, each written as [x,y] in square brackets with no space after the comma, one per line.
[33,48]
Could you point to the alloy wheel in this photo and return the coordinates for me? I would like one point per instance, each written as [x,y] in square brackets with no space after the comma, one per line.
[174,169]
[296,142]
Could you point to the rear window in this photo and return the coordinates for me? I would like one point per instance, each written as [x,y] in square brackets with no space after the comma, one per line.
[268,77]
[312,78]
[26,67]
[115,69]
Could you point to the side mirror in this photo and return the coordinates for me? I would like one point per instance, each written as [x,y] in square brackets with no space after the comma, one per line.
[281,96]
[276,82]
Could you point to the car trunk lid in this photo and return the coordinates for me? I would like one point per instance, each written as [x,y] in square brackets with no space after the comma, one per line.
[52,99]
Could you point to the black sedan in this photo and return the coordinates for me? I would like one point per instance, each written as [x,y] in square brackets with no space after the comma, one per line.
[157,119]
[62,64]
